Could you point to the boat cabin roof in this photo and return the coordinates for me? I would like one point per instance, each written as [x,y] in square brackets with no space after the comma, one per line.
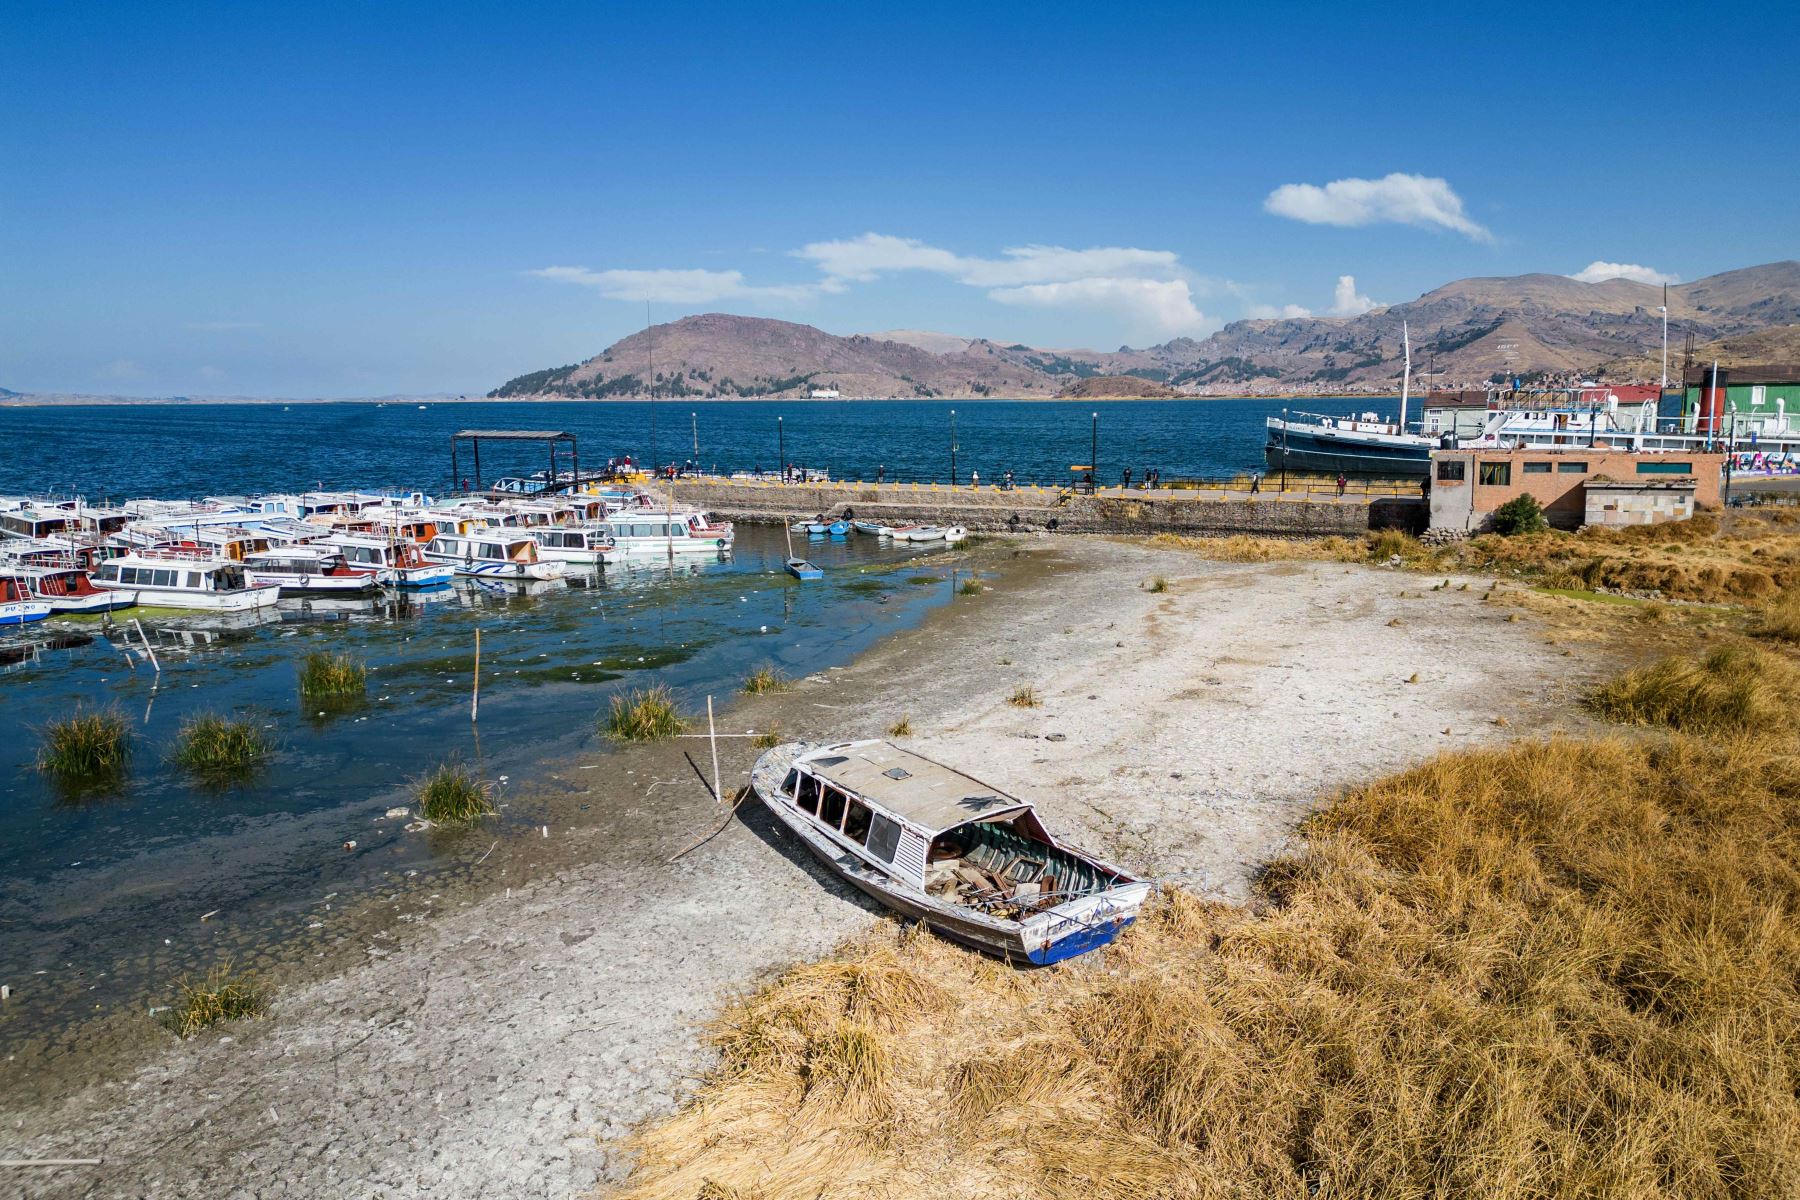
[912,787]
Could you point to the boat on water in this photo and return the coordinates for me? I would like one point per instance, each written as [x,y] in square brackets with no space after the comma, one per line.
[309,570]
[69,591]
[931,533]
[492,554]
[872,528]
[17,605]
[973,863]
[679,532]
[828,528]
[186,578]
[586,545]
[399,564]
[802,570]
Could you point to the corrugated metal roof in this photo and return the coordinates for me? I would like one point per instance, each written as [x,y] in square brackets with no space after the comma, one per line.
[926,793]
[514,435]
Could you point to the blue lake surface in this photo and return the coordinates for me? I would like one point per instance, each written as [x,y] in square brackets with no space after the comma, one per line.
[181,451]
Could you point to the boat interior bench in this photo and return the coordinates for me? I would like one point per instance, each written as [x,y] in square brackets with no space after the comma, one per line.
[992,862]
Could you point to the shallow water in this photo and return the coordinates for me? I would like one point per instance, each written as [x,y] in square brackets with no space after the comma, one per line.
[91,884]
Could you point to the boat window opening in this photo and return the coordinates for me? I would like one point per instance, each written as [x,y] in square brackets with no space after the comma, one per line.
[856,822]
[831,807]
[1537,468]
[807,797]
[1571,468]
[897,773]
[1450,471]
[193,579]
[489,550]
[1496,473]
[884,838]
[165,578]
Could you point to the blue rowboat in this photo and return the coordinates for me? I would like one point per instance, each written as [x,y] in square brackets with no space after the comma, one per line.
[800,569]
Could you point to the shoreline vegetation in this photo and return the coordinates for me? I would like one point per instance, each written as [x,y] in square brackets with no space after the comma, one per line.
[58,400]
[1562,967]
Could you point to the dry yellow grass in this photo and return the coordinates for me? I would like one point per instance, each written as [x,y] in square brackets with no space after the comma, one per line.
[1566,968]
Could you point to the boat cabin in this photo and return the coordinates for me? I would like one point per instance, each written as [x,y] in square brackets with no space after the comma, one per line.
[938,830]
[173,569]
[492,546]
[37,522]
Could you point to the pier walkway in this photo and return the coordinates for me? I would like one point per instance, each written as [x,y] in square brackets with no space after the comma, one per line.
[1200,511]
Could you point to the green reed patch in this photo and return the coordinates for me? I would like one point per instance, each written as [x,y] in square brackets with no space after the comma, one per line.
[452,795]
[644,715]
[90,745]
[766,679]
[222,995]
[220,748]
[769,738]
[972,587]
[327,676]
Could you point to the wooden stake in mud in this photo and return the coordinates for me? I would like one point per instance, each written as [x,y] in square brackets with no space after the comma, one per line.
[712,737]
[144,638]
[475,695]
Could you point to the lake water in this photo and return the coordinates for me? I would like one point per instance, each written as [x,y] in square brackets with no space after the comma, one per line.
[195,450]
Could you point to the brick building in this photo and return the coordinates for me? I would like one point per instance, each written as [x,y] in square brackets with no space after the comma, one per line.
[1467,485]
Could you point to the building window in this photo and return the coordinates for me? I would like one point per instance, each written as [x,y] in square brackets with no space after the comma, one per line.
[1665,468]
[1497,474]
[1536,468]
[1450,471]
[1571,468]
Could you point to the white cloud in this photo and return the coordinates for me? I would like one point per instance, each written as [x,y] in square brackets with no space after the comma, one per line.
[1163,305]
[673,286]
[1269,312]
[1597,271]
[869,256]
[1345,302]
[1397,198]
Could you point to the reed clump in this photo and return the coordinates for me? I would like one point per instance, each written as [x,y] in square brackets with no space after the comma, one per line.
[220,748]
[453,795]
[901,728]
[766,679]
[644,715]
[769,738]
[971,587]
[1557,968]
[221,995]
[1024,696]
[1780,620]
[1157,585]
[328,676]
[91,745]
[1733,688]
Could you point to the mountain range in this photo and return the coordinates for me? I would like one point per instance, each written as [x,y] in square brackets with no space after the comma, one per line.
[1463,334]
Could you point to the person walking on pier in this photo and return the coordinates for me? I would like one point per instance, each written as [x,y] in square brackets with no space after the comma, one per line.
[1125,476]
[881,473]
[1255,482]
[975,479]
[1342,484]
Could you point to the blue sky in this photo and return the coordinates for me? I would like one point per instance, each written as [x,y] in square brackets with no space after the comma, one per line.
[360,199]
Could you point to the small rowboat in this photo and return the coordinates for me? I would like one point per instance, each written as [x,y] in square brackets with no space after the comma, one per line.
[974,864]
[921,533]
[802,570]
[872,528]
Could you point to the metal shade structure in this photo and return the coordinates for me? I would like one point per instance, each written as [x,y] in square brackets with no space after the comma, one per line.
[553,438]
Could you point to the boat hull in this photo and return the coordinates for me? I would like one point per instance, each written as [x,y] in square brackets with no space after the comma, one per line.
[97,601]
[799,568]
[243,600]
[1316,452]
[21,612]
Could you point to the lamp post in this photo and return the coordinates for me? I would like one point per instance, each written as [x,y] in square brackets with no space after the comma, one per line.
[781,443]
[1094,454]
[1284,425]
[953,447]
[1664,310]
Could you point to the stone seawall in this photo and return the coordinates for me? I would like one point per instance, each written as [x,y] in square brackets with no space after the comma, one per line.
[1031,510]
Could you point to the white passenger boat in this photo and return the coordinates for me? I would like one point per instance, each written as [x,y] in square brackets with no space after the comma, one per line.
[396,563]
[931,533]
[492,554]
[186,578]
[973,863]
[309,570]
[650,533]
[17,605]
[873,528]
[587,545]
[69,590]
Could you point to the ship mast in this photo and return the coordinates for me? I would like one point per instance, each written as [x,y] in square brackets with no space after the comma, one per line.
[1406,379]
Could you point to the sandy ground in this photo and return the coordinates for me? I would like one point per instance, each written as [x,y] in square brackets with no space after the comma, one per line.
[500,1047]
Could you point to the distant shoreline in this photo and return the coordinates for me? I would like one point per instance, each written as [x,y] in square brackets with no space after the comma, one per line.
[28,400]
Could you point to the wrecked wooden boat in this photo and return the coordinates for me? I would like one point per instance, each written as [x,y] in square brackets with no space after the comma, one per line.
[973,863]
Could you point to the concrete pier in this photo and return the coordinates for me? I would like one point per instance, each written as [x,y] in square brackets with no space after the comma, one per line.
[1026,510]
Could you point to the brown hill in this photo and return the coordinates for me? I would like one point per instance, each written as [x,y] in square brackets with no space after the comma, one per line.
[1466,332]
[1117,387]
[1765,347]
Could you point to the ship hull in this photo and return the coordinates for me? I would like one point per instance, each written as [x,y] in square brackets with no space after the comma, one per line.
[1318,452]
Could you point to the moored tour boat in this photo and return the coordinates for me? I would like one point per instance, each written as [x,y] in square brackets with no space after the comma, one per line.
[973,863]
[184,578]
[492,554]
[395,563]
[17,604]
[69,590]
[587,545]
[309,570]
